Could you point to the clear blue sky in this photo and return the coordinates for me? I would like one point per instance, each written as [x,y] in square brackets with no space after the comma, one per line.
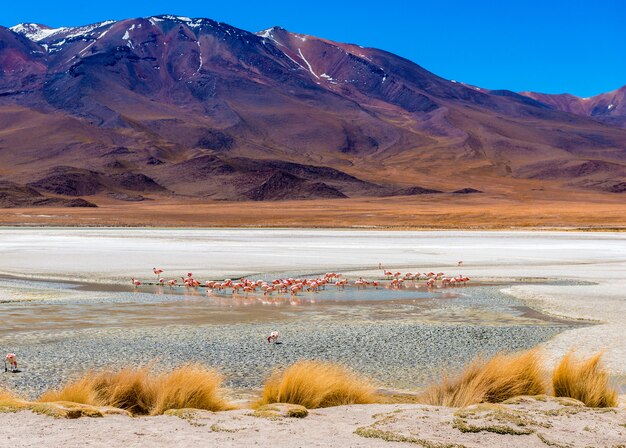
[552,46]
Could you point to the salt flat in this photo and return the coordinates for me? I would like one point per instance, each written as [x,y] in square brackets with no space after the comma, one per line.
[113,255]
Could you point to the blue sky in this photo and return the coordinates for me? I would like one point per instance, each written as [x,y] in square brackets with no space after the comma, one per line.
[551,46]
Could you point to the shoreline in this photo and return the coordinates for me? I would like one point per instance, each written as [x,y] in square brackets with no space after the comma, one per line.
[319,328]
[382,228]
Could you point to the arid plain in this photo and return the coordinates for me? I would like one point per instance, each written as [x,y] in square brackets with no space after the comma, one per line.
[537,210]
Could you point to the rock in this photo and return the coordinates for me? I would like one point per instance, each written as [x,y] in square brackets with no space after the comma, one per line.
[466,191]
[69,181]
[282,185]
[281,410]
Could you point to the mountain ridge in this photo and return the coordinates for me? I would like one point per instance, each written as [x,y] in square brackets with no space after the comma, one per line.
[140,97]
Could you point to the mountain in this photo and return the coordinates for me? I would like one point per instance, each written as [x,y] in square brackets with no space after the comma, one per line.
[609,108]
[171,106]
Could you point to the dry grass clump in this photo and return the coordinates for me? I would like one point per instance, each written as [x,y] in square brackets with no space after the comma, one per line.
[139,391]
[584,380]
[493,380]
[317,384]
[81,391]
[5,395]
[190,386]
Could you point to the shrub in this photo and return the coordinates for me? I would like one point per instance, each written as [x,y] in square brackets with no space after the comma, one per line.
[190,386]
[493,380]
[139,391]
[317,384]
[584,380]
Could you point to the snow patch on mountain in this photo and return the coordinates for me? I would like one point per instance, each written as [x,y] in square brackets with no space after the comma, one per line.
[36,32]
[307,63]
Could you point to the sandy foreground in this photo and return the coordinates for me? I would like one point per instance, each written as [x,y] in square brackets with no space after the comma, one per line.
[529,422]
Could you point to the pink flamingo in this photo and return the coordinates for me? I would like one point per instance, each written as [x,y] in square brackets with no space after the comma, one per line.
[12,360]
[157,271]
[172,283]
[273,336]
[136,282]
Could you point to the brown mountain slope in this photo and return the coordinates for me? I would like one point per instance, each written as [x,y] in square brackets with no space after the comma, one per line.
[607,107]
[175,107]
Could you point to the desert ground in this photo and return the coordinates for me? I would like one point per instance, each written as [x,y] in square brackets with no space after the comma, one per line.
[534,209]
[525,422]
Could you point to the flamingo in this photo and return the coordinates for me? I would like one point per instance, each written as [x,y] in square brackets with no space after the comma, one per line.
[136,282]
[172,283]
[157,271]
[273,336]
[12,360]
[459,263]
[161,281]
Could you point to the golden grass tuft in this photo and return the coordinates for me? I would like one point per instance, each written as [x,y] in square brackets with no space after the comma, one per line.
[81,391]
[317,384]
[140,392]
[190,386]
[5,395]
[584,380]
[9,402]
[494,380]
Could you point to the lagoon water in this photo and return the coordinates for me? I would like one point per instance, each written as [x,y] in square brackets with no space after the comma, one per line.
[67,304]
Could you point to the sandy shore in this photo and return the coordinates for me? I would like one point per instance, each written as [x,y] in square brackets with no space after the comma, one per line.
[525,423]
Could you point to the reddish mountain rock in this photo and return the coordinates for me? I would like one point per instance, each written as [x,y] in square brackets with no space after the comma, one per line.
[608,107]
[186,107]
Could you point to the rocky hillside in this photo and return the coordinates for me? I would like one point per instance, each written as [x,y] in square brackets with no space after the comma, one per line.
[173,106]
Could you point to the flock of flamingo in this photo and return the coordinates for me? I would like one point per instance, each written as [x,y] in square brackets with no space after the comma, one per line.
[293,286]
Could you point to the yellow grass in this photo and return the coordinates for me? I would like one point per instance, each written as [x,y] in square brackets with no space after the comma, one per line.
[584,380]
[80,391]
[493,380]
[139,391]
[190,386]
[317,384]
[5,395]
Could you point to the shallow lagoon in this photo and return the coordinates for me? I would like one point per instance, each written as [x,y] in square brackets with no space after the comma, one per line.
[401,338]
